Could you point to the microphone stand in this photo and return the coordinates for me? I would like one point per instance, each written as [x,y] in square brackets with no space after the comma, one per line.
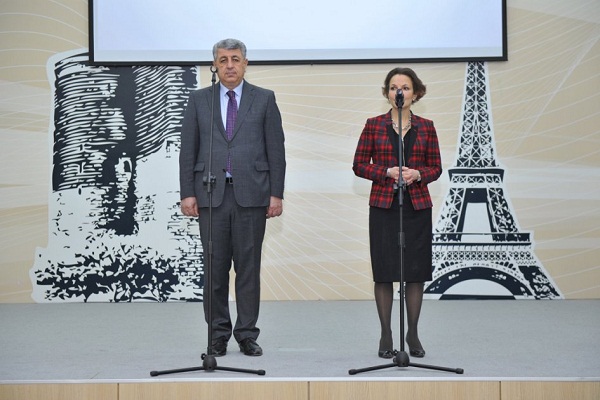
[209,361]
[401,358]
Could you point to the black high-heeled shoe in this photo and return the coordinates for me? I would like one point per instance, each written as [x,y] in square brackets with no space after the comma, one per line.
[419,353]
[387,353]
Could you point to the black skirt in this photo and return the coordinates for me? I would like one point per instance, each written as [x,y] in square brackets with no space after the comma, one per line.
[384,228]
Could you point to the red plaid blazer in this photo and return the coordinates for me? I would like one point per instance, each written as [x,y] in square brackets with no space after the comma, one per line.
[375,154]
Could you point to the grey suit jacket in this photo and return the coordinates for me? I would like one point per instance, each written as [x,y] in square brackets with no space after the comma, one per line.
[257,148]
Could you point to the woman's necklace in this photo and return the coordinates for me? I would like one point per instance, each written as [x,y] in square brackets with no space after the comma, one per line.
[405,127]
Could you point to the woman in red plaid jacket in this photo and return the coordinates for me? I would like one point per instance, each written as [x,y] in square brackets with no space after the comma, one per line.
[376,159]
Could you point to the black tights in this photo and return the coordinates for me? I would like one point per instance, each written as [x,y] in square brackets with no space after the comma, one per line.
[384,298]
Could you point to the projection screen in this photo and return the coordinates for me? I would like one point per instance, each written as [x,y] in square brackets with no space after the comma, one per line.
[307,31]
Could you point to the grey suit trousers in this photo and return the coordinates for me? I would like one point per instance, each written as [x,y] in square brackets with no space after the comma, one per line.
[237,234]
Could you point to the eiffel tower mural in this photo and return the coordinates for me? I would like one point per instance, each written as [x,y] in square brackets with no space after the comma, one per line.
[479,250]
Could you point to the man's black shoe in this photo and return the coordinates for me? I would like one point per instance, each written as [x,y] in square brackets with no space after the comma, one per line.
[249,347]
[219,347]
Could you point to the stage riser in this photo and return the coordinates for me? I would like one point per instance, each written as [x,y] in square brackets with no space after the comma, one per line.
[307,390]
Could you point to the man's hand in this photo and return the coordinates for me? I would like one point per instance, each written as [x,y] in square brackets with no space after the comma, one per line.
[275,207]
[189,207]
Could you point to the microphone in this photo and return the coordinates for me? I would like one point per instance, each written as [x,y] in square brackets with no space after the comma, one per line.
[399,98]
[214,70]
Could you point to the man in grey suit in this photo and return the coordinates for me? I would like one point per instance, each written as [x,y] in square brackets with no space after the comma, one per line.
[248,165]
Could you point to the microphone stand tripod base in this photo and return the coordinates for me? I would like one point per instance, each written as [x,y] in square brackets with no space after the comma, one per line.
[401,359]
[209,362]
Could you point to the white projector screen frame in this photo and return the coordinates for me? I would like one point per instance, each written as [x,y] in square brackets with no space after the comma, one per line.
[302,32]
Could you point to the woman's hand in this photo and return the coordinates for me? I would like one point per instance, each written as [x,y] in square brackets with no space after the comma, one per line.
[410,176]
